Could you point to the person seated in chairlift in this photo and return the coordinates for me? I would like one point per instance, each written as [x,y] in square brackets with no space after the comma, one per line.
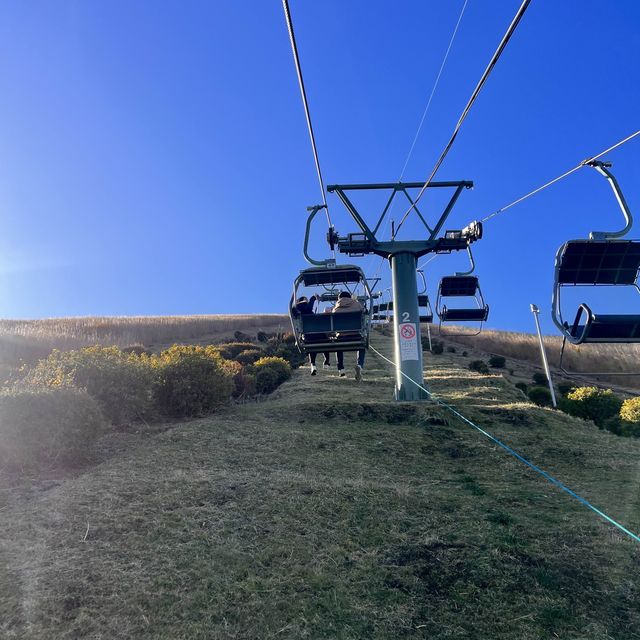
[346,303]
[304,306]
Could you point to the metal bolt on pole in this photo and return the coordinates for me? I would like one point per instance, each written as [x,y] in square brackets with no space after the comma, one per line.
[536,311]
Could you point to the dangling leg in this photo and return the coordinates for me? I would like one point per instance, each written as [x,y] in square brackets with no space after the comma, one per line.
[340,358]
[312,362]
[327,360]
[360,364]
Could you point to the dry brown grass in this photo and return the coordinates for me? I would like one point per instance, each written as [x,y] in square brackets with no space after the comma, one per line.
[330,512]
[28,340]
[586,358]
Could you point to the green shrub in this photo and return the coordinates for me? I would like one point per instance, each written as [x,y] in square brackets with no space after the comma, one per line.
[286,350]
[539,378]
[244,383]
[262,336]
[120,382]
[190,381]
[630,410]
[523,387]
[592,403]
[249,356]
[540,396]
[288,338]
[497,362]
[231,350]
[241,336]
[465,354]
[47,425]
[451,349]
[266,380]
[280,366]
[479,366]
[436,347]
[565,387]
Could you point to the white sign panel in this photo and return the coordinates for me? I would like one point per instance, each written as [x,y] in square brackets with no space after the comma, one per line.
[408,341]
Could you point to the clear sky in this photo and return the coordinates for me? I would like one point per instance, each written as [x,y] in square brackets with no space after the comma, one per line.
[154,157]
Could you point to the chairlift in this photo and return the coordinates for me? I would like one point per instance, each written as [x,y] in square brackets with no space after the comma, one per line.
[424,304]
[320,332]
[601,260]
[462,285]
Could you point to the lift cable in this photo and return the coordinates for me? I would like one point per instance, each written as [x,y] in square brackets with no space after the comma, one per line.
[435,86]
[514,453]
[305,103]
[424,115]
[564,175]
[492,63]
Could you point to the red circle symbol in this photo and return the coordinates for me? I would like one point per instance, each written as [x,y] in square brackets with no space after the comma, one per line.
[408,331]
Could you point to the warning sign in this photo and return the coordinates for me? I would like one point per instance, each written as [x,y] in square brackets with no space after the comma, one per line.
[408,341]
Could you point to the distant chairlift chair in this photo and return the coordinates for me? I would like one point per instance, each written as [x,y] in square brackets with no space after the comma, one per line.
[462,285]
[601,260]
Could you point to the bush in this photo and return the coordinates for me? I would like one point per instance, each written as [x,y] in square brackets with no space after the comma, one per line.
[282,348]
[47,425]
[266,380]
[497,362]
[479,366]
[262,336]
[540,396]
[465,354]
[244,383]
[523,387]
[436,347]
[451,349]
[592,403]
[630,410]
[120,382]
[190,381]
[231,350]
[280,366]
[565,387]
[240,336]
[539,378]
[249,356]
[288,338]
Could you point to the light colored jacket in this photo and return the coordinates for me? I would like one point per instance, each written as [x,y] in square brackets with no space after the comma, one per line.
[347,304]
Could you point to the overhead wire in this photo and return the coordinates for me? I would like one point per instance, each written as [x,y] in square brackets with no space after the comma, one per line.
[487,72]
[305,103]
[514,453]
[424,115]
[560,177]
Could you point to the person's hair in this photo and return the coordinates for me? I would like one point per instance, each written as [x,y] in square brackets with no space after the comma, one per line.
[302,299]
[344,294]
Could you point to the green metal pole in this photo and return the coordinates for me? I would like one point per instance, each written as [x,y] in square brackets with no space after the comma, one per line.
[406,323]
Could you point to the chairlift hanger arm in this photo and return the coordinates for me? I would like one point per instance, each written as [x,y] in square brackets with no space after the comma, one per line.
[473,264]
[603,169]
[313,212]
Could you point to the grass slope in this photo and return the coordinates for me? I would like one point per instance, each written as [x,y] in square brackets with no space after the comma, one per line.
[328,511]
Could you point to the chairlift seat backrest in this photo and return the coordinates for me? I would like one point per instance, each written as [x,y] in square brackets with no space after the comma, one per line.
[610,328]
[423,301]
[598,262]
[458,286]
[331,322]
[427,319]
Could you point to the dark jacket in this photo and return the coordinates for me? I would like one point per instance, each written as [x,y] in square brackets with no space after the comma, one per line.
[304,308]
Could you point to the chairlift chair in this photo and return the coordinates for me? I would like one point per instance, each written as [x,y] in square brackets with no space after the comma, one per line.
[320,332]
[462,285]
[602,260]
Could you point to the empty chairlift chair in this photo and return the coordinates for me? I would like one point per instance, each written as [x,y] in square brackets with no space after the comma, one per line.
[603,260]
[462,285]
[319,332]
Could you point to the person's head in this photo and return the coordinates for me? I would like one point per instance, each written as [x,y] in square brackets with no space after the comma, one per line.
[344,294]
[302,300]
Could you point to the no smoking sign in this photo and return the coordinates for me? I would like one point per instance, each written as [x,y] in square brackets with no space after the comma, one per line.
[408,341]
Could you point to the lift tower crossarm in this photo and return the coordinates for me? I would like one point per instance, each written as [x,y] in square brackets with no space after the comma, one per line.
[403,256]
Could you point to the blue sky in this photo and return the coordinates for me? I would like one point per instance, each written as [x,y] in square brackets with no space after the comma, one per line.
[154,157]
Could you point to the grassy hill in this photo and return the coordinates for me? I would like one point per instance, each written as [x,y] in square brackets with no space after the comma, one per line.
[329,511]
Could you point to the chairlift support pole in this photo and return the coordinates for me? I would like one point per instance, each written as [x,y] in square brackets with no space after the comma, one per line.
[403,257]
[536,312]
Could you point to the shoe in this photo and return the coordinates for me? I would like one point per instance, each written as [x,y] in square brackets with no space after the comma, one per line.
[342,373]
[313,370]
[326,365]
[358,373]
